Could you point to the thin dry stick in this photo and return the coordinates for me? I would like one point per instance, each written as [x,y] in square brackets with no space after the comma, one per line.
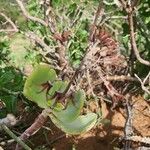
[99,12]
[132,37]
[49,16]
[111,90]
[145,140]
[15,29]
[121,78]
[38,40]
[17,139]
[143,83]
[28,16]
[93,29]
[123,3]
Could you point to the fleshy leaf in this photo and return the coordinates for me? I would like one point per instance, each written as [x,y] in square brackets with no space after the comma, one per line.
[80,125]
[33,89]
[58,86]
[73,108]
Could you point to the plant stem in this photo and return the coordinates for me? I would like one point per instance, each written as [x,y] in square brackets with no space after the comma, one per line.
[17,139]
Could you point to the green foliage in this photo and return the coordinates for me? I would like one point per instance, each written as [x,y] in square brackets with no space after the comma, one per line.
[13,55]
[4,50]
[146,96]
[19,51]
[34,9]
[78,45]
[9,7]
[11,84]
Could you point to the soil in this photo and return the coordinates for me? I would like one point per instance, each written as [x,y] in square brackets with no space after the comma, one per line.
[103,137]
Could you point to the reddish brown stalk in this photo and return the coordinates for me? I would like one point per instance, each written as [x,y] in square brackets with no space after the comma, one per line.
[38,123]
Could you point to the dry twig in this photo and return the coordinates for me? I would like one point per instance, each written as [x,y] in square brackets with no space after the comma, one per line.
[129,8]
[128,131]
[15,29]
[17,139]
[38,40]
[39,122]
[144,82]
[133,42]
[28,16]
[145,140]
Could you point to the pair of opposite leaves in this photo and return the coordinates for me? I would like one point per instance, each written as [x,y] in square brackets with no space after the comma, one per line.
[68,120]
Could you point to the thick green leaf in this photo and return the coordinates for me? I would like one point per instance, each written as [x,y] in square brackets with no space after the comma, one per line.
[69,121]
[59,86]
[80,125]
[73,108]
[33,89]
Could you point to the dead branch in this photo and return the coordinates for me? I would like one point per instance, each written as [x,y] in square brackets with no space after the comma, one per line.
[121,78]
[28,16]
[99,12]
[128,131]
[38,40]
[111,90]
[93,28]
[49,16]
[130,10]
[145,140]
[15,29]
[39,122]
[122,3]
[133,42]
[144,82]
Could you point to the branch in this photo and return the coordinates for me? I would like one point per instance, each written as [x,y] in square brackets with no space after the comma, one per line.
[17,139]
[15,29]
[121,78]
[129,11]
[144,82]
[49,15]
[10,120]
[145,140]
[38,40]
[128,131]
[111,90]
[28,16]
[123,3]
[39,122]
